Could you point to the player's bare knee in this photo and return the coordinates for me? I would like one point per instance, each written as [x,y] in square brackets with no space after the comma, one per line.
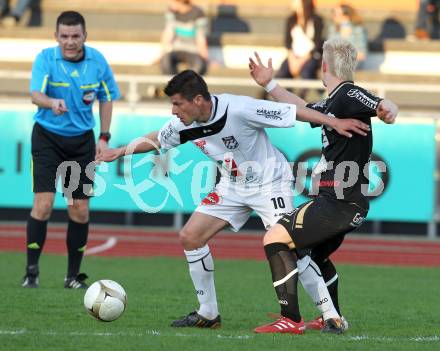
[79,212]
[277,234]
[189,241]
[269,237]
[79,217]
[42,210]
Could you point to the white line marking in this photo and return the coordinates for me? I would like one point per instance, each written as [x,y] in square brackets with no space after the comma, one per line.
[351,338]
[425,338]
[434,338]
[100,248]
[12,332]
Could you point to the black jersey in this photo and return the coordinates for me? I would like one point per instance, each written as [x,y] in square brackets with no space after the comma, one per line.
[342,172]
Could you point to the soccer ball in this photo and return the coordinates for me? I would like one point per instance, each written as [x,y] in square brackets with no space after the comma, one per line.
[105,300]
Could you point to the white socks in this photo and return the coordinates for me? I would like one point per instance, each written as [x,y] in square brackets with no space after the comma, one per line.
[313,283]
[201,269]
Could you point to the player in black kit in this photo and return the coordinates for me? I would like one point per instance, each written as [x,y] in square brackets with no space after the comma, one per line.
[319,226]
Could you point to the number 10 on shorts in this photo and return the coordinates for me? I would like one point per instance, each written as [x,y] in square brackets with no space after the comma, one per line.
[278,202]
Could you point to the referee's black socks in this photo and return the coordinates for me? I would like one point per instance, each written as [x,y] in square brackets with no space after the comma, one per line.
[76,241]
[36,231]
[282,263]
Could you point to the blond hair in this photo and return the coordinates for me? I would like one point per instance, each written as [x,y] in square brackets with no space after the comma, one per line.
[340,56]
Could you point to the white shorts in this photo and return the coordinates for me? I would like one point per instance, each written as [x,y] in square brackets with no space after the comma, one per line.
[236,209]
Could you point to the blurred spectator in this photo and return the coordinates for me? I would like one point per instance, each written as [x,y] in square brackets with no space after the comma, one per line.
[347,24]
[184,38]
[227,20]
[4,8]
[12,17]
[303,41]
[427,25]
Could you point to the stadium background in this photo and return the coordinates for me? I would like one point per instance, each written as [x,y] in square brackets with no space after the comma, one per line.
[128,34]
[389,267]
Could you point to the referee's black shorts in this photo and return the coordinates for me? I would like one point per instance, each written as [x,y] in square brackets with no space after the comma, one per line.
[322,219]
[69,158]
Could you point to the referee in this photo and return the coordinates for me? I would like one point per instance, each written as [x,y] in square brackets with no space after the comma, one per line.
[66,80]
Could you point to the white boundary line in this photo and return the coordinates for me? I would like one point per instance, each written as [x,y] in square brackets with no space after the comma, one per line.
[100,248]
[152,332]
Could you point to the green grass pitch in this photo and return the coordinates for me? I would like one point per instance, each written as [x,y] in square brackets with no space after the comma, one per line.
[388,308]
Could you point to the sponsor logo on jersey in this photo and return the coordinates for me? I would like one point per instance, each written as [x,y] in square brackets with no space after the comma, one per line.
[230,142]
[250,175]
[232,169]
[201,145]
[88,97]
[269,114]
[357,220]
[359,95]
[167,133]
[329,183]
[320,104]
[212,198]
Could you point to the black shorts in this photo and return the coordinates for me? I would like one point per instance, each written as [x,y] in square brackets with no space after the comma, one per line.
[322,219]
[323,251]
[50,152]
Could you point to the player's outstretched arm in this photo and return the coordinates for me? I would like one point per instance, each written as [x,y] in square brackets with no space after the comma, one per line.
[140,145]
[387,111]
[263,76]
[345,126]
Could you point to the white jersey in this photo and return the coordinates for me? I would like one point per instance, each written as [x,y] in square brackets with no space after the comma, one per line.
[235,138]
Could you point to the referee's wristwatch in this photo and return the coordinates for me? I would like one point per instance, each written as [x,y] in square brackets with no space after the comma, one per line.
[105,136]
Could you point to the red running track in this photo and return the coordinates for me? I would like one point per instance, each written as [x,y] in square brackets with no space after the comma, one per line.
[146,243]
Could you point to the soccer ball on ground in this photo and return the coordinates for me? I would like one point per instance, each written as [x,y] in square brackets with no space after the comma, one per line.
[105,300]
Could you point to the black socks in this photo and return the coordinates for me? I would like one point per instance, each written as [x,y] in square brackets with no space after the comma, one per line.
[36,231]
[76,241]
[285,278]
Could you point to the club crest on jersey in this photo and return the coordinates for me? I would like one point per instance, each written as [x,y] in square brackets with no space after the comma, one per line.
[89,97]
[212,198]
[230,142]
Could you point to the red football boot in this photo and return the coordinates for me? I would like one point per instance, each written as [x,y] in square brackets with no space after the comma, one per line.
[282,325]
[315,324]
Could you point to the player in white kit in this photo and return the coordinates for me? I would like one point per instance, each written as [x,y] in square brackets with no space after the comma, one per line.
[254,176]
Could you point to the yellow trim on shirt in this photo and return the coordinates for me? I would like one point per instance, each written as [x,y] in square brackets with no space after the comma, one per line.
[59,84]
[43,86]
[89,86]
[109,97]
